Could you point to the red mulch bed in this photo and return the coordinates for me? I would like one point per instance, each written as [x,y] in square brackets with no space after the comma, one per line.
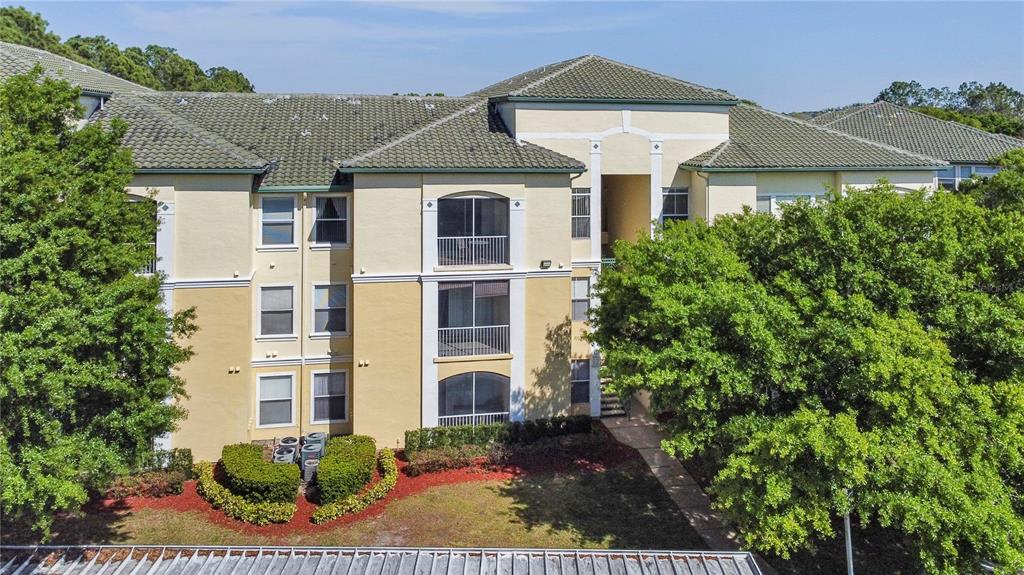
[616,455]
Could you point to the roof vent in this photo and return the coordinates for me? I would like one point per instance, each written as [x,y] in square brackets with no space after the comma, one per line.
[295,117]
[306,132]
[182,101]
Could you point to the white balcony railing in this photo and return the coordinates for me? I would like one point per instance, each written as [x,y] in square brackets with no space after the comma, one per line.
[150,267]
[472,250]
[487,340]
[472,419]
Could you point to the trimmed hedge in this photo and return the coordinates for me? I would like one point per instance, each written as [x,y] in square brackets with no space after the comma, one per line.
[148,484]
[347,465]
[442,458]
[490,434]
[257,480]
[237,507]
[356,503]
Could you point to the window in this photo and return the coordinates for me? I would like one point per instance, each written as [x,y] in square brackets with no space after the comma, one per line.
[473,318]
[330,394]
[331,224]
[965,172]
[472,231]
[330,311]
[581,212]
[277,221]
[985,171]
[947,177]
[773,204]
[473,393]
[275,400]
[675,204]
[277,311]
[580,298]
[579,375]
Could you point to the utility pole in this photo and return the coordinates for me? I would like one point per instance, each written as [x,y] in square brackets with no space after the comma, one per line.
[849,544]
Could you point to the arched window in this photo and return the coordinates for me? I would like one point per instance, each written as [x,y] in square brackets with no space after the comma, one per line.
[473,398]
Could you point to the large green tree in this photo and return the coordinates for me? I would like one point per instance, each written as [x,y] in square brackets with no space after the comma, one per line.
[864,353]
[994,107]
[88,349]
[157,67]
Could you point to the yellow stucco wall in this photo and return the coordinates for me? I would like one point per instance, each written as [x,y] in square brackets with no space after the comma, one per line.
[729,192]
[548,345]
[548,220]
[219,406]
[908,179]
[389,340]
[810,183]
[627,206]
[387,223]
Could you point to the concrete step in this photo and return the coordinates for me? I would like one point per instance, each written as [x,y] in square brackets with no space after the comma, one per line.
[612,412]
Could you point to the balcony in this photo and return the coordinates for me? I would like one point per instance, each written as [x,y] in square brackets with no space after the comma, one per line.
[472,251]
[472,232]
[472,419]
[481,340]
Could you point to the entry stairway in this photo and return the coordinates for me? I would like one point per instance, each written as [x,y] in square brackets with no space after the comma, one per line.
[611,405]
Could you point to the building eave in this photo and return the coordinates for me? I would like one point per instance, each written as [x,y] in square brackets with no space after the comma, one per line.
[613,101]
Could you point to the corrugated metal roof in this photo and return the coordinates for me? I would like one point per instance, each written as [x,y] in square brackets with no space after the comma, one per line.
[165,560]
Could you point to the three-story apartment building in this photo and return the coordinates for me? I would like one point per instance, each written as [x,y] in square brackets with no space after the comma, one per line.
[373,264]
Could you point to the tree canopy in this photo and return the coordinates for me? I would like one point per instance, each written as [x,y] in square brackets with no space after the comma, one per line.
[865,353]
[88,349]
[994,107]
[156,67]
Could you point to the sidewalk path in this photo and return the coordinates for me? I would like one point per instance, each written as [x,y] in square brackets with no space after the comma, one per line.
[644,436]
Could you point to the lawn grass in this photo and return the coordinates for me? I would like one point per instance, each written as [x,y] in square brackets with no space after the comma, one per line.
[623,507]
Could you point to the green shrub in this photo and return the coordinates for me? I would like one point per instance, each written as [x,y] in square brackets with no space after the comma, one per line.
[237,507]
[443,458]
[356,503]
[177,459]
[148,484]
[249,475]
[346,467]
[490,434]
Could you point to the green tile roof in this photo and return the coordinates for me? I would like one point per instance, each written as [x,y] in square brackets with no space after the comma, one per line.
[17,59]
[904,128]
[305,138]
[764,140]
[593,78]
[471,139]
[162,140]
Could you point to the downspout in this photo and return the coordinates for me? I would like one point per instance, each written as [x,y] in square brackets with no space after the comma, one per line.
[303,247]
[707,196]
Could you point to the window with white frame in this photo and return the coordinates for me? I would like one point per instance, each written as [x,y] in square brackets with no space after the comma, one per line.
[330,396]
[579,376]
[331,224]
[581,212]
[580,298]
[276,398]
[277,310]
[277,220]
[675,204]
[330,308]
[773,204]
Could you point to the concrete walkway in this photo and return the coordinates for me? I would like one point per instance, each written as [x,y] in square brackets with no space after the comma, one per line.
[644,436]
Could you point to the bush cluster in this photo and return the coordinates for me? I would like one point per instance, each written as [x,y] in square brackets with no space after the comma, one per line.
[250,476]
[147,484]
[487,435]
[442,458]
[238,507]
[356,503]
[177,459]
[346,467]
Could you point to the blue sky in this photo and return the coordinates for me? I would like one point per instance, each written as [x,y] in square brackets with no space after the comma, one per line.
[785,56]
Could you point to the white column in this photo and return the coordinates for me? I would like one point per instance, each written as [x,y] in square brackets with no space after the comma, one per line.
[428,368]
[656,197]
[517,346]
[517,234]
[595,383]
[165,264]
[595,199]
[429,236]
